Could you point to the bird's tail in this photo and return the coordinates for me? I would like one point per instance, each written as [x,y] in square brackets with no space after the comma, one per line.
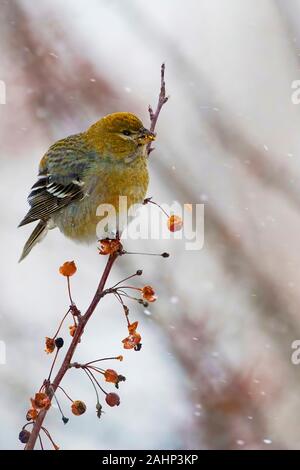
[39,232]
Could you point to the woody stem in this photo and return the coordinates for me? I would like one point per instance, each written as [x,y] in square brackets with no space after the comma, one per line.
[162,99]
[69,354]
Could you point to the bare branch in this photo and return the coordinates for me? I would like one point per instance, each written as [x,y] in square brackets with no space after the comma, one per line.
[68,357]
[162,99]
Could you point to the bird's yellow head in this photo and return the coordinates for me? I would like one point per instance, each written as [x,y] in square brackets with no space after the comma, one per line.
[119,135]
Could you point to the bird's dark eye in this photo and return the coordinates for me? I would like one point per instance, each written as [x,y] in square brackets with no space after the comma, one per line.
[126,132]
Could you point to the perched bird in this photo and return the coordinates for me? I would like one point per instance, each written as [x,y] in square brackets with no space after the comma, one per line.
[84,170]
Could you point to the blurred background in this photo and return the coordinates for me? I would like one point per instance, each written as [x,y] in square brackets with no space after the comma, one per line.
[215,370]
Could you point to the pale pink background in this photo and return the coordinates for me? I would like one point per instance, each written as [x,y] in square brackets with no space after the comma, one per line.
[215,368]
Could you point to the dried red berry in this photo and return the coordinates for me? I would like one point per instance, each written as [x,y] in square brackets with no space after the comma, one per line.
[41,400]
[148,293]
[68,268]
[59,342]
[72,329]
[24,436]
[32,414]
[111,376]
[112,399]
[78,407]
[174,223]
[132,327]
[131,341]
[108,247]
[50,345]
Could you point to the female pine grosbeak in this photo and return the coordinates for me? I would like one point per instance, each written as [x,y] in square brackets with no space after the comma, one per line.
[84,170]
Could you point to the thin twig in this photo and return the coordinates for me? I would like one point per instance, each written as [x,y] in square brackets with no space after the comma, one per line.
[60,325]
[97,395]
[69,291]
[96,381]
[49,437]
[98,360]
[123,280]
[92,379]
[63,390]
[149,201]
[53,362]
[162,99]
[41,443]
[60,409]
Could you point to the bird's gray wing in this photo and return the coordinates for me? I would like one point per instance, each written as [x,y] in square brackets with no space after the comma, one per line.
[60,178]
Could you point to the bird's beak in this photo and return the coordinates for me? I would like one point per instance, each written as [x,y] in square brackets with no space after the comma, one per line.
[146,136]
